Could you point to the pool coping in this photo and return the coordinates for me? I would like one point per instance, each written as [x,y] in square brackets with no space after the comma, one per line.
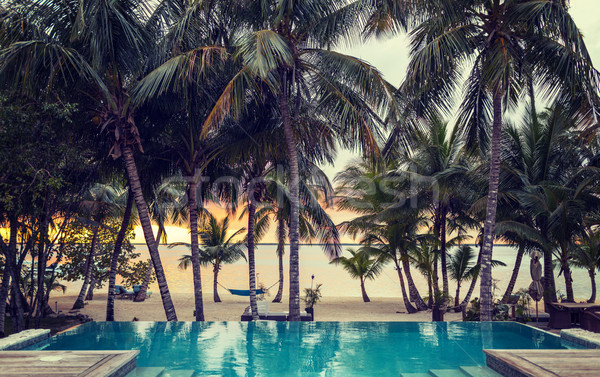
[24,339]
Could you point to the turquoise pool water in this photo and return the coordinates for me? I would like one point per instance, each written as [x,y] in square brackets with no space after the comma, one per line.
[307,348]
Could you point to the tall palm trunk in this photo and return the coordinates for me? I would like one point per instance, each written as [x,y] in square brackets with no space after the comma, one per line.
[114,262]
[42,259]
[592,299]
[430,290]
[490,216]
[409,308]
[456,298]
[17,298]
[251,263]
[88,271]
[363,290]
[549,283]
[435,277]
[3,297]
[515,274]
[467,298]
[141,295]
[280,251]
[142,208]
[413,292]
[193,208]
[292,151]
[216,269]
[443,262]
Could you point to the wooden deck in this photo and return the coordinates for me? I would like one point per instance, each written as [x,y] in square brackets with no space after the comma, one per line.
[544,363]
[67,363]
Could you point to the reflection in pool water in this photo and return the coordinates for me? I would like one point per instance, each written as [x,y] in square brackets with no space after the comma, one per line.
[317,348]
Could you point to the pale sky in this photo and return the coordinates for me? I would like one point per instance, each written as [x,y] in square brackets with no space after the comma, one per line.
[390,56]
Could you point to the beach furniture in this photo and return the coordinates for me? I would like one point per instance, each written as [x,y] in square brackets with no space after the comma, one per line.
[560,317]
[265,314]
[137,288]
[590,320]
[123,293]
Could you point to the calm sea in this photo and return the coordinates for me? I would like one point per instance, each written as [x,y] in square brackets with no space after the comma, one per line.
[336,281]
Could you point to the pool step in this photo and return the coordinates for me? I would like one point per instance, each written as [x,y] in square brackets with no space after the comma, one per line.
[447,373]
[424,374]
[146,372]
[480,372]
[178,373]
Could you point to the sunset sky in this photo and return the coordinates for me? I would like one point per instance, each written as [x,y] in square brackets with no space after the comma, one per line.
[390,56]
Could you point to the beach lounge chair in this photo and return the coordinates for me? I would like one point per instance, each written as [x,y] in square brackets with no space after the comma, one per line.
[123,293]
[263,310]
[560,318]
[590,320]
[265,314]
[137,288]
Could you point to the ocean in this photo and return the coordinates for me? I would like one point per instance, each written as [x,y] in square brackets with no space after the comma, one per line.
[334,279]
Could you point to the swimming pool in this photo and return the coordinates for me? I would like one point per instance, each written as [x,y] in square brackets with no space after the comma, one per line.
[307,348]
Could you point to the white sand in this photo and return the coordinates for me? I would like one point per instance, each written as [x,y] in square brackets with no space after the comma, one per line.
[328,309]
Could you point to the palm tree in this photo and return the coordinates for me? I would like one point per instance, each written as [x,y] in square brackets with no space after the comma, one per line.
[462,269]
[533,154]
[126,222]
[490,37]
[371,190]
[438,157]
[361,266]
[423,257]
[313,220]
[100,202]
[218,248]
[284,53]
[96,47]
[166,206]
[563,208]
[587,255]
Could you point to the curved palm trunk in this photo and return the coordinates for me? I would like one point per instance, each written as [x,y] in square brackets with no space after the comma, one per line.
[415,296]
[88,271]
[490,216]
[141,295]
[3,297]
[568,281]
[409,308]
[193,208]
[251,263]
[292,151]
[114,262]
[90,292]
[280,251]
[592,274]
[515,274]
[136,189]
[362,289]
[215,283]
[467,299]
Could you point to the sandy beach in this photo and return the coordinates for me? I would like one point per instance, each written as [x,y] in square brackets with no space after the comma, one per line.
[329,309]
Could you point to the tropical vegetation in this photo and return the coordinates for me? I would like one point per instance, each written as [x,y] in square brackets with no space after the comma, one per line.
[124,113]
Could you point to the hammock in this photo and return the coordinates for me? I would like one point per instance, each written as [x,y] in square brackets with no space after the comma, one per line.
[246,292]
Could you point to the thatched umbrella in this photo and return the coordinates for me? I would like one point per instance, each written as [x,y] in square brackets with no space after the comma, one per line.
[536,290]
